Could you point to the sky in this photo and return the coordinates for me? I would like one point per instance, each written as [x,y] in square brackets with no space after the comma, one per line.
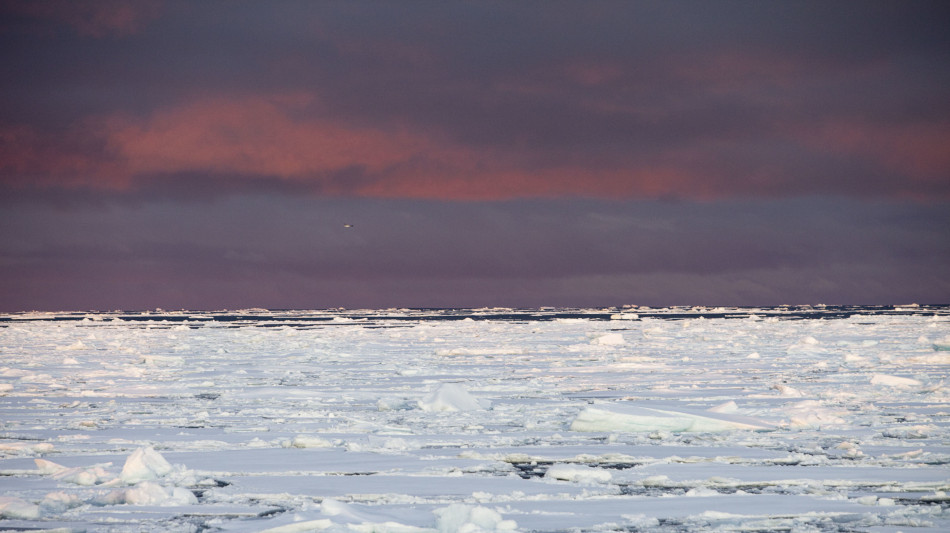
[308,155]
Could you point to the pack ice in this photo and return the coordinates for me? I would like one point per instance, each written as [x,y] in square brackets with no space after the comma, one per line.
[815,418]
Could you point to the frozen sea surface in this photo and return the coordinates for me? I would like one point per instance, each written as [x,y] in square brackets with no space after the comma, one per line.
[635,419]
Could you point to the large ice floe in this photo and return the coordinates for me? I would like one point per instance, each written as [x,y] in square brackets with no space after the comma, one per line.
[633,417]
[481,420]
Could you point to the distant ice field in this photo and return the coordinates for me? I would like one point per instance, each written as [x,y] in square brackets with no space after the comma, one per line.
[424,420]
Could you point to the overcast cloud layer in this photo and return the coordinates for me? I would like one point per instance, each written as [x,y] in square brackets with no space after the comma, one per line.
[207,154]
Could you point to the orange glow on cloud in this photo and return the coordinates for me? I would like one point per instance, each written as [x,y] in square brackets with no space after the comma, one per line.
[285,138]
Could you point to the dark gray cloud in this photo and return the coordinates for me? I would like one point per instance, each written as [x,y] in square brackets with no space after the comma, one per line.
[207,154]
[744,97]
[254,250]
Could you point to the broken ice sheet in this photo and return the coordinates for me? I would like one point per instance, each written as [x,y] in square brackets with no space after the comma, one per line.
[498,420]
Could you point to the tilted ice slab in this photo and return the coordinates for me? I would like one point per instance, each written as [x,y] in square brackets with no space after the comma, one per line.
[638,417]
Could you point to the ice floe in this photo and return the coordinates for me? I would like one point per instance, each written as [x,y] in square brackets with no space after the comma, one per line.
[634,417]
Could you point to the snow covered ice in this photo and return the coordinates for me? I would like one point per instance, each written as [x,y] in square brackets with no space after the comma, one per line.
[635,419]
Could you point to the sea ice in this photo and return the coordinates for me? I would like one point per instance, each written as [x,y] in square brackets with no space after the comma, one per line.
[433,421]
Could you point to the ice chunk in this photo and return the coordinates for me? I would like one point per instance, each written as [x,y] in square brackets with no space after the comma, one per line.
[162,360]
[943,344]
[727,408]
[895,381]
[48,467]
[78,475]
[609,339]
[459,517]
[449,397]
[394,405]
[78,345]
[83,476]
[806,344]
[144,464]
[640,418]
[306,441]
[578,473]
[787,391]
[493,350]
[910,432]
[301,527]
[346,517]
[58,502]
[939,358]
[331,507]
[624,316]
[151,493]
[811,414]
[11,507]
[26,448]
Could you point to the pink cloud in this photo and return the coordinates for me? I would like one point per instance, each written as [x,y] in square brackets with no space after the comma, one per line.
[253,136]
[918,151]
[285,137]
[29,158]
[274,137]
